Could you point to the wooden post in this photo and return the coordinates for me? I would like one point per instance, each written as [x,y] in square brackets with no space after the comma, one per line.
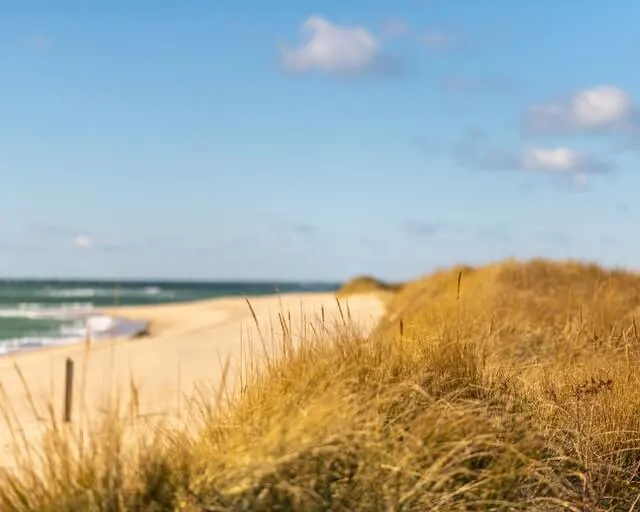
[68,390]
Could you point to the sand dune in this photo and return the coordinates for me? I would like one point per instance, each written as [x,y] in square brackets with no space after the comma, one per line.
[185,350]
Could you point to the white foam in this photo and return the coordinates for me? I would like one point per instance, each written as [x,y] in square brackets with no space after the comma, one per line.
[32,342]
[81,322]
[100,324]
[95,327]
[70,293]
[36,311]
[89,293]
[75,330]
[153,290]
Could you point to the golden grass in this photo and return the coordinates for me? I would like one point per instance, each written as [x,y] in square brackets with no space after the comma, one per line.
[367,284]
[507,387]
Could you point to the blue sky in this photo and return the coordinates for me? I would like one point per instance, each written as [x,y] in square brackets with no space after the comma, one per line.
[315,140]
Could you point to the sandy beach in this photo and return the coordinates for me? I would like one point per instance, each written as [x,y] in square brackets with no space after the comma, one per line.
[185,350]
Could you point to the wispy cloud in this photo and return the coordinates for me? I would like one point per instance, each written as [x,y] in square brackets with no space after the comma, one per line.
[334,49]
[435,39]
[353,50]
[475,150]
[87,242]
[71,237]
[84,242]
[561,160]
[604,108]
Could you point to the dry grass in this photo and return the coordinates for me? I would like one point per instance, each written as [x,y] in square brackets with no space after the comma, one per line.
[367,284]
[508,387]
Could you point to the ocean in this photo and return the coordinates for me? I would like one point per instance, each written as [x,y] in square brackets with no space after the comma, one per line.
[35,314]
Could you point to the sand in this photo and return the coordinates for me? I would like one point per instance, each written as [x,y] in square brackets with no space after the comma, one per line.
[184,353]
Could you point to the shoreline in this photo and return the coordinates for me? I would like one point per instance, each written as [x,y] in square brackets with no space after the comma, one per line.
[134,313]
[185,352]
[139,326]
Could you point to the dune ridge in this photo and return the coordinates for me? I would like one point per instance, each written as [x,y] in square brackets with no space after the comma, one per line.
[511,386]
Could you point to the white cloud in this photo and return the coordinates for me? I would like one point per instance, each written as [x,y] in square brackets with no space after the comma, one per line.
[551,160]
[563,161]
[475,150]
[600,108]
[84,242]
[79,238]
[332,48]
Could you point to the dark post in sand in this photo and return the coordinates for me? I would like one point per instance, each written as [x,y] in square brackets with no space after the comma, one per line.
[68,390]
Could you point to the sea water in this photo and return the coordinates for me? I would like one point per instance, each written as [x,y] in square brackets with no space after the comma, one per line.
[39,313]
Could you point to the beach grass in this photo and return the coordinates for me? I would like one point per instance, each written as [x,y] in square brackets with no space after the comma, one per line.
[367,284]
[512,386]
